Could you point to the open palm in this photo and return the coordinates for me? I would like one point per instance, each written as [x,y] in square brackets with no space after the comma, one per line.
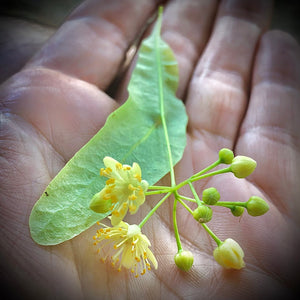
[241,91]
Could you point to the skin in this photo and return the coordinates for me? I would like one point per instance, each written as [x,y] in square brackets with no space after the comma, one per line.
[240,84]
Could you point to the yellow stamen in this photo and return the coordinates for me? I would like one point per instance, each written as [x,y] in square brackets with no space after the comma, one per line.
[141,192]
[110,181]
[132,197]
[138,177]
[118,166]
[131,187]
[132,207]
[114,199]
[116,213]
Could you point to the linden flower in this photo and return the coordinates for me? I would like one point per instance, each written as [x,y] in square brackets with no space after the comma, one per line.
[126,246]
[125,188]
[230,255]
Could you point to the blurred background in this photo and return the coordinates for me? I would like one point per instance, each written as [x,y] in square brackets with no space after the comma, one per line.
[25,25]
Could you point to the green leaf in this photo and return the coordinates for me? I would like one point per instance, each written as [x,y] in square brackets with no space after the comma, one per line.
[132,133]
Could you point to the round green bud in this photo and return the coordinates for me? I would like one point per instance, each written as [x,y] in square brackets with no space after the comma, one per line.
[237,211]
[184,260]
[226,156]
[210,196]
[242,166]
[256,206]
[99,204]
[202,214]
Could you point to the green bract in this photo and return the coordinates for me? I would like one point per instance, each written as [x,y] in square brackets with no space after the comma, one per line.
[133,133]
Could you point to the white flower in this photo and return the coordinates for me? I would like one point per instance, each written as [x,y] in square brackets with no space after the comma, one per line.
[126,246]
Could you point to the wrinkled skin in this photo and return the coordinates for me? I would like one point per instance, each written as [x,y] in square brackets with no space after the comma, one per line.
[240,84]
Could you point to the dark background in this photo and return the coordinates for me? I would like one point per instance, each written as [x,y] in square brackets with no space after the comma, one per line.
[26,24]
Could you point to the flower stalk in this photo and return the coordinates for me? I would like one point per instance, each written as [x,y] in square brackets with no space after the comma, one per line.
[125,190]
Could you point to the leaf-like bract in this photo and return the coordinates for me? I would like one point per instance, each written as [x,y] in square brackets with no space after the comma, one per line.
[132,133]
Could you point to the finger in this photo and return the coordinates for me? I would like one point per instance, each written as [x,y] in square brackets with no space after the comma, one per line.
[92,43]
[66,111]
[270,132]
[186,27]
[217,95]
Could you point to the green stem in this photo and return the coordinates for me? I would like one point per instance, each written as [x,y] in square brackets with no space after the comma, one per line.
[156,192]
[209,231]
[192,179]
[213,165]
[176,232]
[158,187]
[186,198]
[227,203]
[198,201]
[184,205]
[222,171]
[152,211]
[161,96]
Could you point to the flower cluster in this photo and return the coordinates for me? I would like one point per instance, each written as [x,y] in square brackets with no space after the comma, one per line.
[124,191]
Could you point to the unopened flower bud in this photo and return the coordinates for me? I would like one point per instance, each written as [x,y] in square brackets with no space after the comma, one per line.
[99,204]
[226,156]
[257,206]
[242,166]
[229,255]
[184,260]
[202,214]
[210,196]
[237,211]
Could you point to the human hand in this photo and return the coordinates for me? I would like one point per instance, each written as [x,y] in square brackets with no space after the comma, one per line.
[241,91]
